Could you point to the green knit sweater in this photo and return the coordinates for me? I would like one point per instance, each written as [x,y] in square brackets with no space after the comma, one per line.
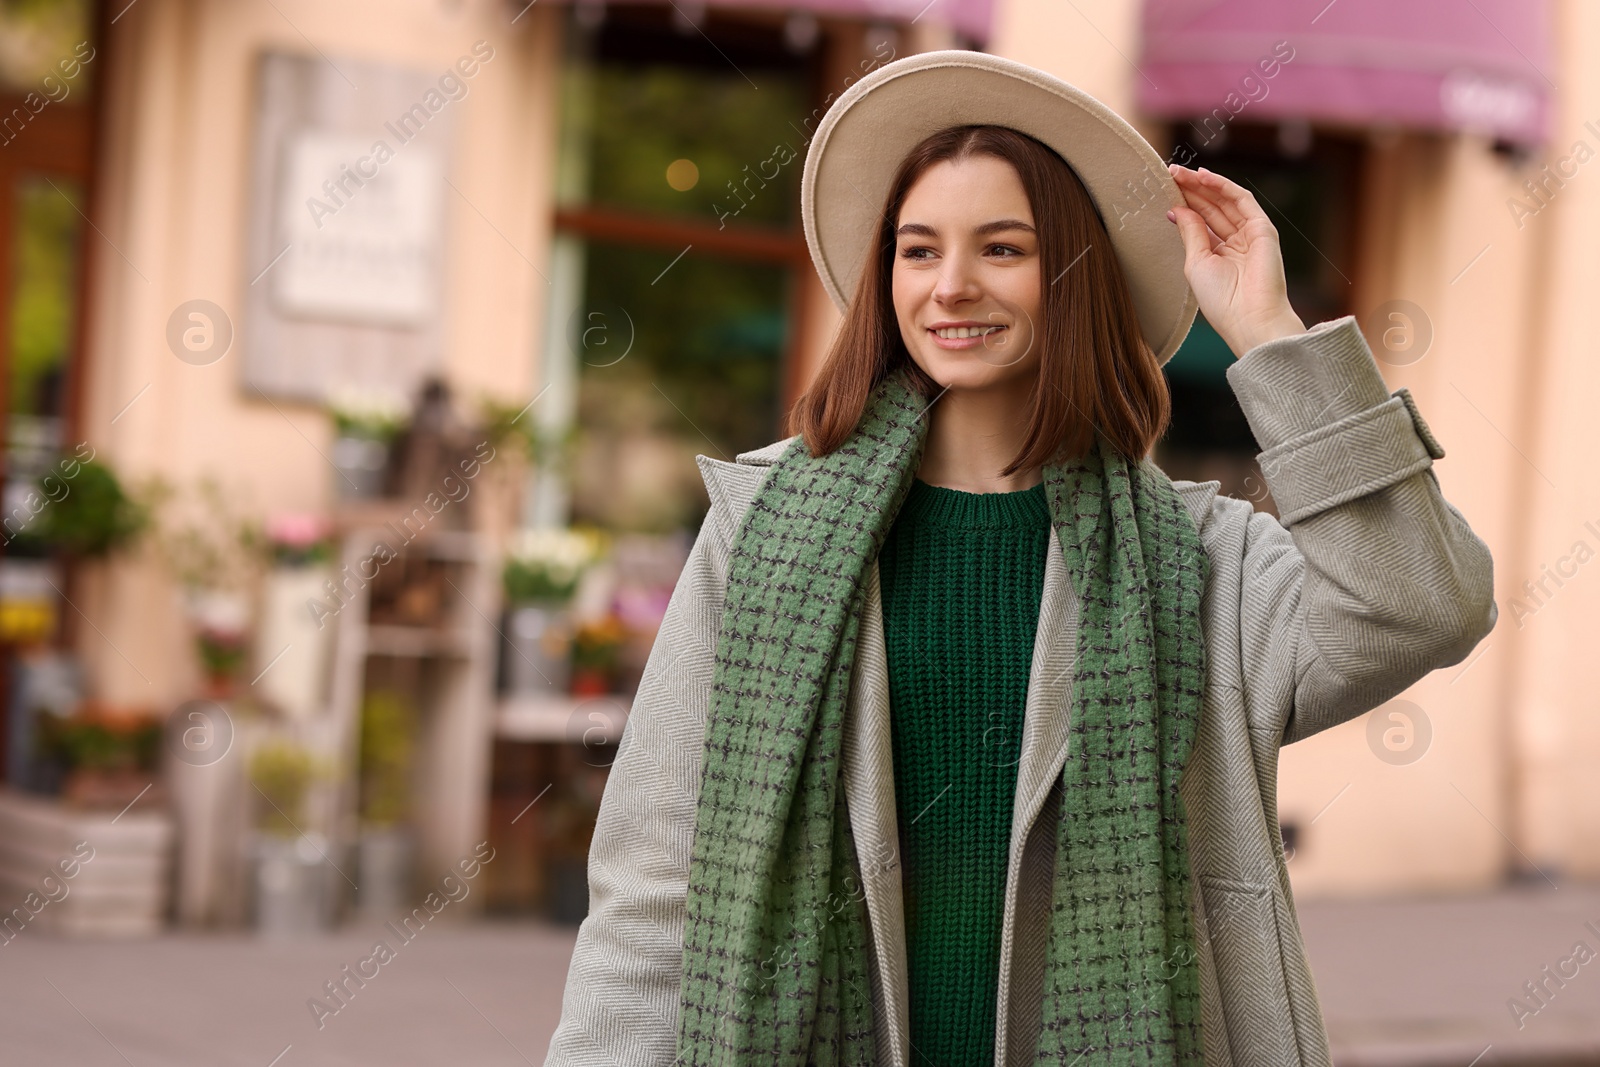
[962,575]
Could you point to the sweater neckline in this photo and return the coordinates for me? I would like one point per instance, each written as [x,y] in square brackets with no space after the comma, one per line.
[936,505]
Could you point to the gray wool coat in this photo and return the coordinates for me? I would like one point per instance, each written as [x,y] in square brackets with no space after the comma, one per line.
[1367,581]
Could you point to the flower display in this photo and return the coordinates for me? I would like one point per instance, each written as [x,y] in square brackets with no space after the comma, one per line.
[369,413]
[547,563]
[297,538]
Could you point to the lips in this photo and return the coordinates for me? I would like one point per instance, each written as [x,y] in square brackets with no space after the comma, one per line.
[958,337]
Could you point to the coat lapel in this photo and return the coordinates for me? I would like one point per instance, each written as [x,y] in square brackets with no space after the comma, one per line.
[869,797]
[1044,731]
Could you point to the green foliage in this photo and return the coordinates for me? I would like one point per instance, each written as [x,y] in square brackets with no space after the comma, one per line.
[94,744]
[283,772]
[512,426]
[214,544]
[639,118]
[526,583]
[302,555]
[94,518]
[388,743]
[43,303]
[548,564]
[597,644]
[221,653]
[368,414]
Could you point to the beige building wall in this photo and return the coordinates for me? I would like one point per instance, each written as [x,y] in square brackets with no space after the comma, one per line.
[1554,678]
[173,210]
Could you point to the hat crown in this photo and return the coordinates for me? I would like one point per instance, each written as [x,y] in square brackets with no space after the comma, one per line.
[859,145]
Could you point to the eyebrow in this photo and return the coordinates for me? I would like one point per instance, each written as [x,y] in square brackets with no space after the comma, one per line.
[920,229]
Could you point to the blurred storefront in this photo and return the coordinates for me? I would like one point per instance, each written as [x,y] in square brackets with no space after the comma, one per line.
[387,333]
[379,328]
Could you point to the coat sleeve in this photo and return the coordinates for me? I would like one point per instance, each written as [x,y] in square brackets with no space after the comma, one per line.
[1368,579]
[621,1002]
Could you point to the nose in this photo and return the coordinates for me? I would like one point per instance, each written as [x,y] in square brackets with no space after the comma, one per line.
[958,282]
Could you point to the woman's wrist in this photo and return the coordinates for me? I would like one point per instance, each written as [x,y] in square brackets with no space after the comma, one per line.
[1285,323]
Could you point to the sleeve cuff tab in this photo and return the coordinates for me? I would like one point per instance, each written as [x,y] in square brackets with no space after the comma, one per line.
[1435,449]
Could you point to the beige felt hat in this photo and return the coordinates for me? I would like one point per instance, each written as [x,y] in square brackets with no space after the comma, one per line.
[867,132]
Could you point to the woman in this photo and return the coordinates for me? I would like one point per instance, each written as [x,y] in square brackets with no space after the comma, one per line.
[1061,844]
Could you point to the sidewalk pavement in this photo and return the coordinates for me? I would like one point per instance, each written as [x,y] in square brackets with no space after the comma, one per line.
[1427,982]
[1404,983]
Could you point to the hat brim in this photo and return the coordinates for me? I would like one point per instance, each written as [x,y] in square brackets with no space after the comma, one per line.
[862,139]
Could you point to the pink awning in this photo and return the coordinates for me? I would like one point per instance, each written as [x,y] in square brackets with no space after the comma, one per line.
[971,18]
[1480,65]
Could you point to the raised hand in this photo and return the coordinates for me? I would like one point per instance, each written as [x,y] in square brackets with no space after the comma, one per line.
[1232,260]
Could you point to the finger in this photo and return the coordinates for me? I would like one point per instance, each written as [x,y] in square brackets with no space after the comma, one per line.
[1201,200]
[1205,188]
[1197,237]
[1238,201]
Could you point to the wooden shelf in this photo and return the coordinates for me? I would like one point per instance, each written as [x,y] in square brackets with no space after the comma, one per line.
[416,641]
[596,720]
[451,666]
[367,524]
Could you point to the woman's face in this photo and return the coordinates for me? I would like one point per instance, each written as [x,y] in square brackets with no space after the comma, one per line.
[966,279]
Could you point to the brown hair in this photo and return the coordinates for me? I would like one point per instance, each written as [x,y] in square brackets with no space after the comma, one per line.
[1095,369]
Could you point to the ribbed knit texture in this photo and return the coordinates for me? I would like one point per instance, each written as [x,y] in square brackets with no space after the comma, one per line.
[962,575]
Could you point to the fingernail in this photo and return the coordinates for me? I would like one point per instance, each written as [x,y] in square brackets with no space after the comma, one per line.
[1172,216]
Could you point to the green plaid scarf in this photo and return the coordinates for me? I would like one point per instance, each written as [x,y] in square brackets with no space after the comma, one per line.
[775,953]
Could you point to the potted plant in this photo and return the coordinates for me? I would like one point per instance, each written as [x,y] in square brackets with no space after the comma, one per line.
[386,849]
[77,510]
[523,454]
[85,513]
[108,756]
[541,574]
[597,656]
[299,551]
[509,426]
[366,424]
[291,865]
[221,620]
[215,551]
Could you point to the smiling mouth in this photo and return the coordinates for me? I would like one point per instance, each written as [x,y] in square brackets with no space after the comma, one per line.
[956,333]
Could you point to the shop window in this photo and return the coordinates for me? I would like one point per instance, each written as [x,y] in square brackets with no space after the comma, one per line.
[49,59]
[47,73]
[46,231]
[677,253]
[1308,189]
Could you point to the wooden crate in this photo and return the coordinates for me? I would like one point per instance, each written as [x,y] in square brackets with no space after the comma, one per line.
[121,879]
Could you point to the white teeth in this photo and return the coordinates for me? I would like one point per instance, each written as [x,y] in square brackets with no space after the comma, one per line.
[955,333]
